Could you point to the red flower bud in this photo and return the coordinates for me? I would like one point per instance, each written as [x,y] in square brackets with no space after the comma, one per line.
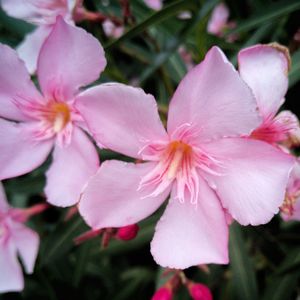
[162,294]
[127,233]
[200,291]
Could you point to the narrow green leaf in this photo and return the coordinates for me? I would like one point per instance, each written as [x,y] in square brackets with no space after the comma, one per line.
[268,13]
[243,276]
[156,18]
[294,75]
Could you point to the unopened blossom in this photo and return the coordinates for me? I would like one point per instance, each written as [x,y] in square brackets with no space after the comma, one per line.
[218,22]
[199,291]
[42,14]
[265,69]
[16,240]
[163,293]
[290,209]
[112,30]
[128,232]
[33,123]
[203,160]
[154,4]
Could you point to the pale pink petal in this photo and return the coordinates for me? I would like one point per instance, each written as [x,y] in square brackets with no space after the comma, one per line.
[69,59]
[214,100]
[11,277]
[218,19]
[30,48]
[154,4]
[20,153]
[189,234]
[71,168]
[253,178]
[15,85]
[121,118]
[4,206]
[265,68]
[111,30]
[112,198]
[27,243]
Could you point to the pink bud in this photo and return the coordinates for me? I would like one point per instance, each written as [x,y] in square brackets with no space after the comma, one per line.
[200,291]
[127,233]
[162,294]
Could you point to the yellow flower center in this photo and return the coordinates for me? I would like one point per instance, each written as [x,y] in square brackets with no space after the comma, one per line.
[59,116]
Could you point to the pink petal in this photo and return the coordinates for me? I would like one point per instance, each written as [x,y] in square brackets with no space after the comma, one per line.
[121,118]
[189,234]
[264,68]
[30,48]
[4,206]
[20,153]
[27,242]
[218,20]
[214,100]
[112,198]
[15,84]
[69,59]
[11,277]
[71,168]
[253,178]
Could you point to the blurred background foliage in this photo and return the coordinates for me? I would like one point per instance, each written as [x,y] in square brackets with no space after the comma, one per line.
[265,260]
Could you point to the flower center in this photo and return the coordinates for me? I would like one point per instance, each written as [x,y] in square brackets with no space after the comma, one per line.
[179,154]
[59,116]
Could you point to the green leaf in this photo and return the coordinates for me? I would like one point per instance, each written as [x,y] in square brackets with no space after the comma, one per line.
[156,18]
[243,276]
[60,241]
[282,286]
[267,14]
[294,74]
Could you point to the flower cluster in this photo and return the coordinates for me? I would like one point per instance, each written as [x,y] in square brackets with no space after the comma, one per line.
[224,155]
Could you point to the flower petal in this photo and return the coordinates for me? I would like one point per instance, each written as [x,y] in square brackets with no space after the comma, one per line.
[27,242]
[121,118]
[192,234]
[214,100]
[11,277]
[20,153]
[264,68]
[4,206]
[218,20]
[70,170]
[112,198]
[69,59]
[253,178]
[30,48]
[15,85]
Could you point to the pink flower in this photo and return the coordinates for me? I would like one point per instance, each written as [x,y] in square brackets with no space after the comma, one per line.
[154,4]
[201,160]
[111,30]
[265,69]
[218,23]
[34,123]
[199,291]
[43,14]
[15,240]
[290,209]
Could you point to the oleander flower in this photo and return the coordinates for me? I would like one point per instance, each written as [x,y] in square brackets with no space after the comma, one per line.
[32,123]
[15,240]
[42,13]
[154,4]
[265,69]
[290,209]
[112,30]
[204,159]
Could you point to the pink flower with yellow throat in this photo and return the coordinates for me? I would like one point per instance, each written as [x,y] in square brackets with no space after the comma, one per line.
[16,240]
[203,160]
[33,123]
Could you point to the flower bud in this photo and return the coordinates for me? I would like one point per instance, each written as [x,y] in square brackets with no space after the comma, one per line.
[162,293]
[199,291]
[127,233]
